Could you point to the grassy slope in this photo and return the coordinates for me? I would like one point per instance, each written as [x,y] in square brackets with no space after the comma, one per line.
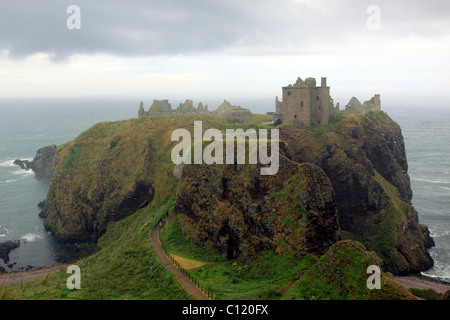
[126,268]
[263,278]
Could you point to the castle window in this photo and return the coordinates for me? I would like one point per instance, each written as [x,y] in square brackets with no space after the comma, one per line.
[301,103]
[289,93]
[295,116]
[317,98]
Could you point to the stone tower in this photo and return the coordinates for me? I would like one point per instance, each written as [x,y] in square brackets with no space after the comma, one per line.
[304,103]
[141,112]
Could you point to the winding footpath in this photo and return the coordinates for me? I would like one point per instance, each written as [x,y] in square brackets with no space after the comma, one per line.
[177,273]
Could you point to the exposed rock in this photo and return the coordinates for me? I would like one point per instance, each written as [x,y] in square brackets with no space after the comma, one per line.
[93,210]
[241,212]
[277,118]
[366,162]
[42,164]
[41,204]
[113,143]
[79,211]
[6,248]
[24,164]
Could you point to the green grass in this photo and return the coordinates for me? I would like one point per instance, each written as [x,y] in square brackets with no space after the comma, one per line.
[379,116]
[427,294]
[263,278]
[72,159]
[127,267]
[174,242]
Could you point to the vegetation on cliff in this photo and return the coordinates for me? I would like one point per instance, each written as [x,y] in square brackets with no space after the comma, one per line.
[345,180]
[365,159]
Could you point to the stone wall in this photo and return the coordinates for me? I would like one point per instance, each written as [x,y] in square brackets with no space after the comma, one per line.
[304,103]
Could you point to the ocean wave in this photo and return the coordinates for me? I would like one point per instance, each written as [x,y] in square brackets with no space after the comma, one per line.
[10,163]
[438,277]
[30,237]
[3,231]
[22,172]
[7,163]
[9,181]
[439,233]
[431,181]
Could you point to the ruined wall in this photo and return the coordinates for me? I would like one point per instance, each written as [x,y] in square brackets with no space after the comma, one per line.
[321,106]
[305,103]
[296,105]
[373,104]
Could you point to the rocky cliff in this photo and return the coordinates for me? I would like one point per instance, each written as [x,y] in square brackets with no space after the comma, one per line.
[93,186]
[365,159]
[346,180]
[237,210]
[42,163]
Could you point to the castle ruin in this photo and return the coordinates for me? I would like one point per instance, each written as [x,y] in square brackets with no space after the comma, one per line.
[305,103]
[164,108]
[373,104]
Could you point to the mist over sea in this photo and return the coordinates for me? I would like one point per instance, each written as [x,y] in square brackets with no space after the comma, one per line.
[27,125]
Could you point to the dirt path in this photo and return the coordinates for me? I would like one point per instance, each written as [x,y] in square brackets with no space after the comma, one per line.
[177,273]
[9,278]
[419,283]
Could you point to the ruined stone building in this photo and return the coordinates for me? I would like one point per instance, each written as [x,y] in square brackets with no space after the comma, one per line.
[306,104]
[373,104]
[164,108]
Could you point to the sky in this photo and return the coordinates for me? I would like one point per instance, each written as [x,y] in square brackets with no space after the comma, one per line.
[203,49]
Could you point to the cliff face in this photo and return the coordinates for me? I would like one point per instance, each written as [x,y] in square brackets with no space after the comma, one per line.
[365,159]
[347,180]
[98,178]
[241,213]
[42,163]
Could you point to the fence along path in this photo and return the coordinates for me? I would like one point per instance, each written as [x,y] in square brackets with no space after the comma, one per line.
[178,271]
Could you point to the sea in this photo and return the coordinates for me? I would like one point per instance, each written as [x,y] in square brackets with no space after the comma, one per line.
[29,124]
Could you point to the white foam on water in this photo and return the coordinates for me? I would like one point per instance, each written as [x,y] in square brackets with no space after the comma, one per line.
[3,231]
[30,237]
[10,163]
[22,172]
[431,181]
[439,233]
[7,163]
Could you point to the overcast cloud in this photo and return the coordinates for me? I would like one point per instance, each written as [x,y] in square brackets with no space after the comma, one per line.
[239,47]
[146,28]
